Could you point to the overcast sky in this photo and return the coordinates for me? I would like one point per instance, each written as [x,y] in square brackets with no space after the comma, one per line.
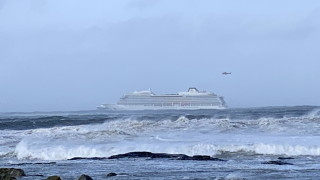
[77,54]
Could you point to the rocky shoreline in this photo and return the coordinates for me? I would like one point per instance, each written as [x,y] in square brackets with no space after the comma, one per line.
[11,173]
[145,154]
[14,173]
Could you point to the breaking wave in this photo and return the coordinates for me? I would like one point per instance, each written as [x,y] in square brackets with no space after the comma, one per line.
[261,148]
[63,152]
[191,137]
[275,131]
[314,113]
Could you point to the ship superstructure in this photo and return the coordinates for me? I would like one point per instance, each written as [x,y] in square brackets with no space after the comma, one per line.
[147,100]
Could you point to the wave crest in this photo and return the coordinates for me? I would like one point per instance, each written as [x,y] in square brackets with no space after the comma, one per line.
[26,150]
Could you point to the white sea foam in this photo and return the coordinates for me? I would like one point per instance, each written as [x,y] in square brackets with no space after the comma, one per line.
[288,136]
[3,152]
[47,151]
[115,137]
[135,127]
[27,150]
[314,113]
[260,148]
[233,176]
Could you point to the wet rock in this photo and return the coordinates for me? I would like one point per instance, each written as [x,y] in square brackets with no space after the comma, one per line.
[53,178]
[85,177]
[7,177]
[199,157]
[91,158]
[36,175]
[11,172]
[277,163]
[284,158]
[111,174]
[20,164]
[205,158]
[144,154]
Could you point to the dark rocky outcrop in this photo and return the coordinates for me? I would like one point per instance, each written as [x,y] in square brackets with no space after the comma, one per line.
[36,175]
[111,174]
[284,158]
[20,164]
[90,158]
[277,163]
[53,178]
[144,154]
[10,173]
[85,177]
[7,177]
[201,158]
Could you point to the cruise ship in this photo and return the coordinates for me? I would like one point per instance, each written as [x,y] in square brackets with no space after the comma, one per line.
[147,100]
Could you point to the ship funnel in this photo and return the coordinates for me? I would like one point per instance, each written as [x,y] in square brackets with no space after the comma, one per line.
[193,89]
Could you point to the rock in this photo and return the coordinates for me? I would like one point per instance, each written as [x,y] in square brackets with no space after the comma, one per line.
[283,158]
[111,174]
[12,172]
[205,158]
[201,158]
[90,158]
[85,177]
[20,164]
[36,175]
[7,177]
[53,178]
[144,154]
[277,163]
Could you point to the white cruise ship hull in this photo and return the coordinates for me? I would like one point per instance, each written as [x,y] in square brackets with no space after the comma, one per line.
[147,100]
[116,107]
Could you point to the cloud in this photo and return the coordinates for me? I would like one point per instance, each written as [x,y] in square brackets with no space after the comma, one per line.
[78,50]
[142,4]
[2,2]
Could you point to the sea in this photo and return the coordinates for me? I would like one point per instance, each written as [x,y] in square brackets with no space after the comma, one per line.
[255,143]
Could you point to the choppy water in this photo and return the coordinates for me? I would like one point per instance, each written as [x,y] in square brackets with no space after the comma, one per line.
[245,137]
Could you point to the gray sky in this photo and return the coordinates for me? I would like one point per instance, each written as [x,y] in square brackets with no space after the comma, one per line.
[77,54]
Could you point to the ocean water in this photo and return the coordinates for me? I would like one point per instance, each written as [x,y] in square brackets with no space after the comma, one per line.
[247,138]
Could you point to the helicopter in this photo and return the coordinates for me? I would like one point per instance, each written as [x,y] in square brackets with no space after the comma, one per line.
[226,73]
